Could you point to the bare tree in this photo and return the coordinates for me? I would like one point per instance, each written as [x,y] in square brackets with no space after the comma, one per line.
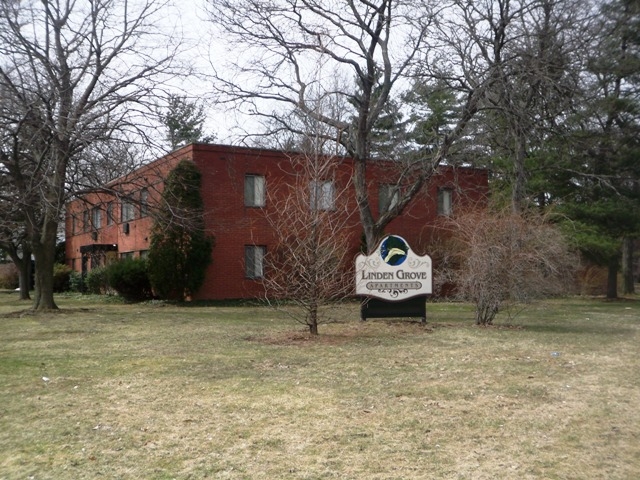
[306,273]
[528,55]
[506,258]
[76,72]
[19,183]
[13,240]
[289,53]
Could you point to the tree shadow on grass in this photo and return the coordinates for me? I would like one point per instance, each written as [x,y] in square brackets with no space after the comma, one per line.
[591,328]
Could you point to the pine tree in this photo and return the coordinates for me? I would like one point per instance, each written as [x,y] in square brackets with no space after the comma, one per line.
[184,122]
[601,191]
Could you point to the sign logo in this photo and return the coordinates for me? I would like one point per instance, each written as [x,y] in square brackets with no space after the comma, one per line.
[393,271]
[394,250]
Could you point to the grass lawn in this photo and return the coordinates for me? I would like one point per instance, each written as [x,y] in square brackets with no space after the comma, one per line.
[157,392]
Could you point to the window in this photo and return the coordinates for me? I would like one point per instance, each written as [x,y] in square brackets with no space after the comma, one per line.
[96,217]
[144,254]
[127,212]
[254,191]
[322,195]
[144,202]
[126,256]
[445,201]
[74,226]
[110,213]
[85,221]
[254,261]
[388,196]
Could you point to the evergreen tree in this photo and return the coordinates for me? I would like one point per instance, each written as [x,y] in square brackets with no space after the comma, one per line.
[180,249]
[184,122]
[599,190]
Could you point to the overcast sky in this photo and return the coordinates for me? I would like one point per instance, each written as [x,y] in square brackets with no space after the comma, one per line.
[204,50]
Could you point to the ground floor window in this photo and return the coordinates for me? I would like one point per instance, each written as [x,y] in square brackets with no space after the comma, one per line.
[254,261]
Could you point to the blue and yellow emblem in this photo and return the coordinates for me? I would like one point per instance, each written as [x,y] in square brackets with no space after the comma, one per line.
[393,250]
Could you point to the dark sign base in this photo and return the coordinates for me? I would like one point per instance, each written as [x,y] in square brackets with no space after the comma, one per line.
[412,307]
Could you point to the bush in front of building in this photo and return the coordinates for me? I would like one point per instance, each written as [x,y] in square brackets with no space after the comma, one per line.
[9,276]
[130,278]
[61,276]
[76,282]
[498,260]
[96,281]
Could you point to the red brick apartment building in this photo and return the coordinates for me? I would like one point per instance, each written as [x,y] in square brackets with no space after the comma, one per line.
[104,226]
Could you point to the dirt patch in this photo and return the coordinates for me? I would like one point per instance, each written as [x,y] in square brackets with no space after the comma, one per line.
[37,313]
[299,339]
[345,335]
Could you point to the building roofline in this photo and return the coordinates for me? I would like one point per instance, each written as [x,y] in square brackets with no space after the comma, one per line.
[193,148]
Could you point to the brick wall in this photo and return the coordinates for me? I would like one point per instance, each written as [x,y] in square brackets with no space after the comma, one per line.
[235,226]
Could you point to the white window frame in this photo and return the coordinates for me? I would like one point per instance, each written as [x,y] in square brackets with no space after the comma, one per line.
[254,261]
[127,211]
[96,218]
[144,203]
[445,202]
[110,213]
[322,195]
[388,197]
[255,191]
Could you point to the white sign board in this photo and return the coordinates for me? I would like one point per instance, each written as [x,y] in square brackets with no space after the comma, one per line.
[393,271]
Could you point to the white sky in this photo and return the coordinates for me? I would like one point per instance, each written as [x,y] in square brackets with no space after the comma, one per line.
[204,49]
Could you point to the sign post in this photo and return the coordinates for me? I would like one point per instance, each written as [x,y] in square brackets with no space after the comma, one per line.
[394,280]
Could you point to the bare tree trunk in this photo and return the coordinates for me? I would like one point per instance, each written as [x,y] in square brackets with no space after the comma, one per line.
[44,253]
[24,273]
[612,278]
[627,266]
[313,318]
[520,176]
[23,264]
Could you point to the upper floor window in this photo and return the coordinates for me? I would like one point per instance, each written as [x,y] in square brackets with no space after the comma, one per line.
[85,221]
[254,191]
[96,217]
[127,213]
[388,197]
[144,202]
[445,201]
[110,213]
[322,195]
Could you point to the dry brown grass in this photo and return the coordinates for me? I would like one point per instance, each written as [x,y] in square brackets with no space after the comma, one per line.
[148,391]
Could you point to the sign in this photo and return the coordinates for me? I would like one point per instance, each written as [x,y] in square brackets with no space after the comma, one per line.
[393,271]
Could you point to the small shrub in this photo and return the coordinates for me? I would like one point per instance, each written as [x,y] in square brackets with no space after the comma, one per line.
[96,281]
[76,282]
[9,277]
[130,278]
[61,276]
[498,258]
